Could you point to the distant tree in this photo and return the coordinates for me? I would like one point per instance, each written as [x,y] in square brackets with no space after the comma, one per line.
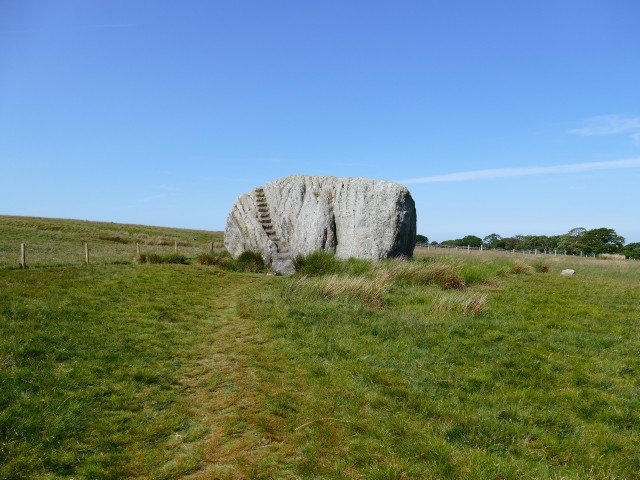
[509,243]
[452,243]
[577,232]
[492,241]
[538,242]
[570,240]
[600,240]
[632,250]
[471,240]
[422,239]
[554,241]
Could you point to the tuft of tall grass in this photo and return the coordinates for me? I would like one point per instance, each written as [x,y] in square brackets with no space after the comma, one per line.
[369,290]
[170,241]
[519,268]
[541,267]
[157,258]
[250,262]
[445,276]
[464,303]
[114,238]
[222,260]
[357,266]
[477,272]
[317,263]
[423,273]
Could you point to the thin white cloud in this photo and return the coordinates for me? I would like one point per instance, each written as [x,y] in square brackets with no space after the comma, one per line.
[607,125]
[526,171]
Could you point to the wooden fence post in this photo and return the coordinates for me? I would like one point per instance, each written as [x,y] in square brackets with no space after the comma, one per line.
[176,245]
[211,247]
[138,248]
[86,253]
[23,255]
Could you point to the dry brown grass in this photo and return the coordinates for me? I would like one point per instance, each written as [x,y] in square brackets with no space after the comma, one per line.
[369,290]
[464,303]
[542,267]
[611,256]
[421,273]
[520,268]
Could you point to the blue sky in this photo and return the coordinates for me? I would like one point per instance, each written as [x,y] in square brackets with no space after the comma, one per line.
[499,116]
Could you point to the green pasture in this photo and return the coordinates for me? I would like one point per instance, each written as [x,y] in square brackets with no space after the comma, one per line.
[442,367]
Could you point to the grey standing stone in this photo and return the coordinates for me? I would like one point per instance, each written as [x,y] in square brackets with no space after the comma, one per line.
[352,217]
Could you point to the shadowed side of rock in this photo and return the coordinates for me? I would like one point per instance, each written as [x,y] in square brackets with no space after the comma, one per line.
[352,217]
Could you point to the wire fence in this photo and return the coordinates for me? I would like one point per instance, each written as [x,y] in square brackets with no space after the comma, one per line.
[514,252]
[42,254]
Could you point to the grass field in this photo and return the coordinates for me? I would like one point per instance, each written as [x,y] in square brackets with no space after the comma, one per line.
[61,242]
[446,366]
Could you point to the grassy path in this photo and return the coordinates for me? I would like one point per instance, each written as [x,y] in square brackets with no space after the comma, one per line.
[127,371]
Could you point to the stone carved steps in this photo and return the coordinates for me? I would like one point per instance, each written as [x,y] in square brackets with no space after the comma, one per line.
[264,216]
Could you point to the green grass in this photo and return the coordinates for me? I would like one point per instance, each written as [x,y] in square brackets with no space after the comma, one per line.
[61,242]
[360,371]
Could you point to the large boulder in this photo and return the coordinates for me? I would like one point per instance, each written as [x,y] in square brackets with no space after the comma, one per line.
[352,217]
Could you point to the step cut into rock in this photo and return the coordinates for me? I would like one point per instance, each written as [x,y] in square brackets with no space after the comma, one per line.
[352,217]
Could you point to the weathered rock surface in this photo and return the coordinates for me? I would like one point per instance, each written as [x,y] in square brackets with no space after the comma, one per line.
[567,272]
[352,217]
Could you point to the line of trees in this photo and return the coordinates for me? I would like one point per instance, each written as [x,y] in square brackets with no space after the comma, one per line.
[576,240]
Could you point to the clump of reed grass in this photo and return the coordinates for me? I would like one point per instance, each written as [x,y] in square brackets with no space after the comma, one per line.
[477,272]
[519,268]
[463,303]
[317,263]
[157,258]
[250,262]
[422,273]
[114,238]
[612,256]
[169,241]
[369,290]
[222,260]
[541,267]
[445,276]
[357,266]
